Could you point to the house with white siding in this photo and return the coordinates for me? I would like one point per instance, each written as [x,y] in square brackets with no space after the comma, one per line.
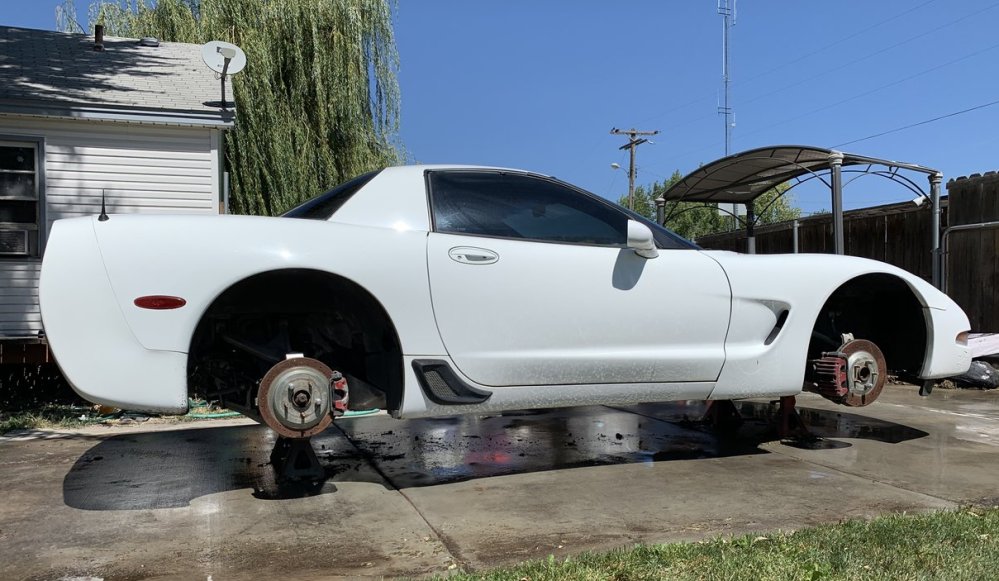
[139,123]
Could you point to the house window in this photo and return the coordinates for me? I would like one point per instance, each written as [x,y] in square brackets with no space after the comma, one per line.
[20,207]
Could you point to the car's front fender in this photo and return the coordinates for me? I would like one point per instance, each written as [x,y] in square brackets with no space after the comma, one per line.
[802,283]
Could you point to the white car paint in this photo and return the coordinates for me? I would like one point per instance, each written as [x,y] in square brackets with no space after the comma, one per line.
[503,326]
[802,283]
[543,324]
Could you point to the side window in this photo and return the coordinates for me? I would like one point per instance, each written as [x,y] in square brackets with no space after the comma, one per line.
[519,206]
[20,208]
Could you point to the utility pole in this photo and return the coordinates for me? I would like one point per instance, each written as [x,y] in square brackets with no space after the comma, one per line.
[633,142]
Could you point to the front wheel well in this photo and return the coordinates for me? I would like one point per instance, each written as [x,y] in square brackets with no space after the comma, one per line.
[881,308]
[256,322]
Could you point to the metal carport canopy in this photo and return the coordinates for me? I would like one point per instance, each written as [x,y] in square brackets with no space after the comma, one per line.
[743,177]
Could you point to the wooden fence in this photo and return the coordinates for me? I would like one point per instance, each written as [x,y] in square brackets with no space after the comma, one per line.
[972,266]
[898,234]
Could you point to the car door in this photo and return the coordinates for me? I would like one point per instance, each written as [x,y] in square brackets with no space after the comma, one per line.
[532,284]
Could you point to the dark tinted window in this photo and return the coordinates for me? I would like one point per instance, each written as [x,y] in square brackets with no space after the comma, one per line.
[324,206]
[520,206]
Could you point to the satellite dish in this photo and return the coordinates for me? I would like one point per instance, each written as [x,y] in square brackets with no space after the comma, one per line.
[223,57]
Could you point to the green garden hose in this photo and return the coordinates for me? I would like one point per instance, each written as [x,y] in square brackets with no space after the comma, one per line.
[194,403]
[358,413]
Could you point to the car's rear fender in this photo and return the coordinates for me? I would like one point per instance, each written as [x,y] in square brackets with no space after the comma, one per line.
[199,258]
[89,336]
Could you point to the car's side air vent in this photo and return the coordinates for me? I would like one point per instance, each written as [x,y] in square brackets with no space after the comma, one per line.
[442,386]
[781,319]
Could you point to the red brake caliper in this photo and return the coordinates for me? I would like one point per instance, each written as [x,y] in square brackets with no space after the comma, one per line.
[338,383]
[853,376]
[830,375]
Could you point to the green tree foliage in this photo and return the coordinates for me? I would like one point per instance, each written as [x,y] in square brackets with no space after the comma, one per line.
[695,219]
[776,206]
[318,101]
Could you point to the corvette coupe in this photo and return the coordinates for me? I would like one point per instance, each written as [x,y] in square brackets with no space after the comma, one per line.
[441,290]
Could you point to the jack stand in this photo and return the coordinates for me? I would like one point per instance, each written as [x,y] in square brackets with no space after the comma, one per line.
[295,459]
[722,415]
[790,424]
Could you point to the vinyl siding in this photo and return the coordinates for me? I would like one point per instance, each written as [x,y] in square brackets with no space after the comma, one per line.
[147,169]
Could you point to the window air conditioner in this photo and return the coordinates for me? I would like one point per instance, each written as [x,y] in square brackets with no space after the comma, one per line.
[13,242]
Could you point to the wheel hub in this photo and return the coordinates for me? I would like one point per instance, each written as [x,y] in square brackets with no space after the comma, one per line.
[863,373]
[295,398]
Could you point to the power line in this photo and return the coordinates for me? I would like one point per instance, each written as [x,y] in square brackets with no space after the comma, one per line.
[813,53]
[878,88]
[827,72]
[924,122]
[848,99]
[846,38]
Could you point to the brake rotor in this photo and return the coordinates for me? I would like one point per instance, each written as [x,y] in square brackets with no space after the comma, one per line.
[866,372]
[295,399]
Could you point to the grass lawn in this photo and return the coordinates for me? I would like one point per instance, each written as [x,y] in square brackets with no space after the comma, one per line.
[960,544]
[48,416]
[74,416]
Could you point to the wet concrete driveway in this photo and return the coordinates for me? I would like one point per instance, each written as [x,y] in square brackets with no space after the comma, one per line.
[190,501]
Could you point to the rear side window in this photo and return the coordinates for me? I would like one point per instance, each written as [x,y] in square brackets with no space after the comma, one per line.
[324,206]
[510,205]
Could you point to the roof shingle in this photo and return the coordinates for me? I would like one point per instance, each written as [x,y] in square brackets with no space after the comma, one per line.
[55,71]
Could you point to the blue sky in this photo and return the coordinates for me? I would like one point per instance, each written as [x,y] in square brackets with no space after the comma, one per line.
[539,85]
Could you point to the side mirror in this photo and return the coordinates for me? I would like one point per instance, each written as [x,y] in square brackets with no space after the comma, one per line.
[640,240]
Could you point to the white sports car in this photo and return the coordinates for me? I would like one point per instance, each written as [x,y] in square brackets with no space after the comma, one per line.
[439,290]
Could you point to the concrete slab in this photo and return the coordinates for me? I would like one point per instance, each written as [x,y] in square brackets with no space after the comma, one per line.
[415,497]
[193,503]
[956,460]
[506,488]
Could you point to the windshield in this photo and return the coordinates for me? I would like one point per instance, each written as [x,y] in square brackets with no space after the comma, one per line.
[323,206]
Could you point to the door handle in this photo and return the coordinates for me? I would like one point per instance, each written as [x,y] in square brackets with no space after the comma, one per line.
[472,255]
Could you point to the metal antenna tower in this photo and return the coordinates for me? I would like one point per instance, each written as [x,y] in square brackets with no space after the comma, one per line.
[727,10]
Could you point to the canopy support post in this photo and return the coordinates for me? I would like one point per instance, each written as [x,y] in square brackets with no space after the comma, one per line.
[794,236]
[836,173]
[750,224]
[935,180]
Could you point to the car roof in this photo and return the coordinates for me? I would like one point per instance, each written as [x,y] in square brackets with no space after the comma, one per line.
[420,168]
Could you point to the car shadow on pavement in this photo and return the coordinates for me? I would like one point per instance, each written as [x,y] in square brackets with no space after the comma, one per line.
[170,469]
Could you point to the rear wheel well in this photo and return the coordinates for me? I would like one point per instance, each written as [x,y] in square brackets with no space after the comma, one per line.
[880,308]
[257,321]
